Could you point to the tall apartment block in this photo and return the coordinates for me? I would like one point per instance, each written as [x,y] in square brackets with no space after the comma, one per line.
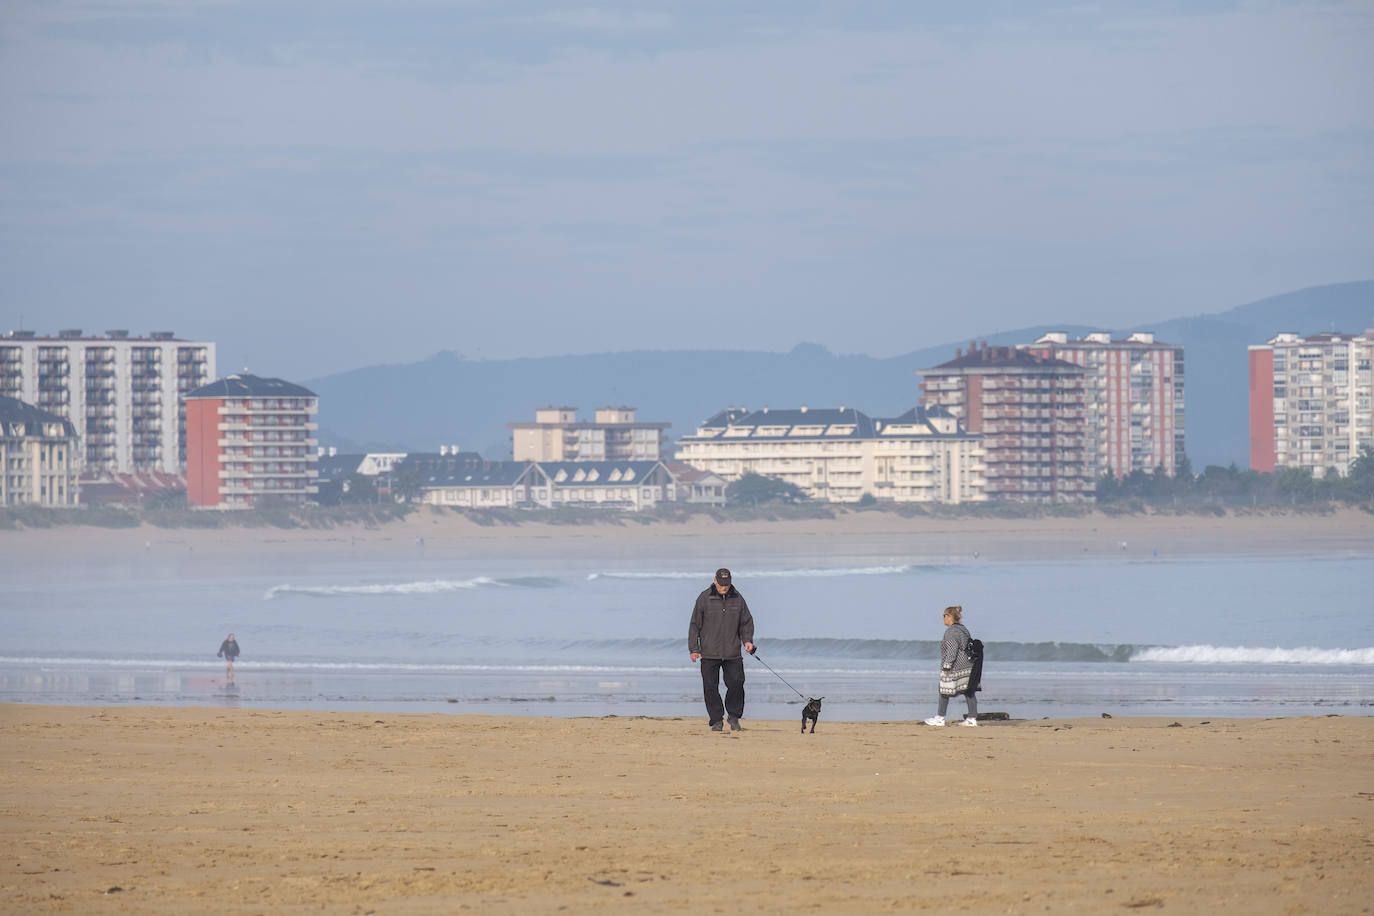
[1133,393]
[122,394]
[1310,402]
[1030,410]
[250,443]
[38,458]
[840,454]
[614,435]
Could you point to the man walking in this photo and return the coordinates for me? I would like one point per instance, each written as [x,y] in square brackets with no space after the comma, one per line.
[720,623]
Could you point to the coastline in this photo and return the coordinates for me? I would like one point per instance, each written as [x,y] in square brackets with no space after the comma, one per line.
[154,810]
[443,532]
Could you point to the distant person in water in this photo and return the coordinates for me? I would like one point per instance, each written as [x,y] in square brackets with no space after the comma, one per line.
[228,650]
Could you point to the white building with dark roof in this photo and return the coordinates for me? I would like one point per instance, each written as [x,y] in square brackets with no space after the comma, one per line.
[38,456]
[122,394]
[838,455]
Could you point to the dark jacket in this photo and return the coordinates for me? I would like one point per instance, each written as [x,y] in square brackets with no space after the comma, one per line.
[229,649]
[719,624]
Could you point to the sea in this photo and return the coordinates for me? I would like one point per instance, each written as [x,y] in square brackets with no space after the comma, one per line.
[1128,632]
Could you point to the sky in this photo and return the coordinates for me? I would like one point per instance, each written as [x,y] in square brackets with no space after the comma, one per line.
[320,186]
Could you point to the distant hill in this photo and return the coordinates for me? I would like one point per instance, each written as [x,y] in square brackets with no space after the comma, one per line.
[450,400]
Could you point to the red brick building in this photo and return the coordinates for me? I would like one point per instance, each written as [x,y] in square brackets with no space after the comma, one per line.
[250,443]
[1031,413]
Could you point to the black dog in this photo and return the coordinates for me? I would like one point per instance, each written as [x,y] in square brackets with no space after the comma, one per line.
[812,712]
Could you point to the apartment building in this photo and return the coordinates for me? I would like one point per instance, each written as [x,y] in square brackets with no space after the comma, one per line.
[1030,412]
[1310,402]
[613,435]
[38,456]
[1133,397]
[122,394]
[839,454]
[250,443]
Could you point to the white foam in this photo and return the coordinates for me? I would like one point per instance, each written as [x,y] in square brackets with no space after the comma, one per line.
[804,573]
[430,587]
[1247,655]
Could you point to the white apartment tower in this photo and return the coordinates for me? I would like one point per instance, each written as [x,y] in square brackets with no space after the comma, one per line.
[1133,398]
[122,394]
[1310,402]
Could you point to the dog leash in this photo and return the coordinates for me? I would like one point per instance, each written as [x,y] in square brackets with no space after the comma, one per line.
[754,652]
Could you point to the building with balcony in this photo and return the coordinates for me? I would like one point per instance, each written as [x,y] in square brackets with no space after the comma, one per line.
[1310,402]
[250,443]
[1133,397]
[38,456]
[838,455]
[1031,414]
[122,394]
[614,435]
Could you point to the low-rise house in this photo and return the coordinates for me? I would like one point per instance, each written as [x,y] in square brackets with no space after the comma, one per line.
[696,486]
[633,485]
[480,485]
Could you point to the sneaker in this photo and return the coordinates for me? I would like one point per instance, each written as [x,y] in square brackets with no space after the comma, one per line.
[937,721]
[717,727]
[969,721]
[734,724]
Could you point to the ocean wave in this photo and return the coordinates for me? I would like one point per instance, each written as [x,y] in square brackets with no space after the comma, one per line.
[427,587]
[798,573]
[1247,655]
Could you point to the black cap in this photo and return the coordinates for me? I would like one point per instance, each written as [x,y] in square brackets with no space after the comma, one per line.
[722,576]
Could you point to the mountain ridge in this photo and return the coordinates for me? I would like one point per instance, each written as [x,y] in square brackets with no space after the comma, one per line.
[476,399]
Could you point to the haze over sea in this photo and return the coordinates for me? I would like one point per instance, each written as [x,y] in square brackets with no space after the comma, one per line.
[601,630]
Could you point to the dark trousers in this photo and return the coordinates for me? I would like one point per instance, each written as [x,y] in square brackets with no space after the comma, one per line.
[711,669]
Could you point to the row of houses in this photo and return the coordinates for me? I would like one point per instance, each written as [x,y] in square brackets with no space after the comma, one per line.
[465,480]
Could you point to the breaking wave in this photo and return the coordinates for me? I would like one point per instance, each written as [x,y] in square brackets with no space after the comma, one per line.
[802,573]
[1246,655]
[428,587]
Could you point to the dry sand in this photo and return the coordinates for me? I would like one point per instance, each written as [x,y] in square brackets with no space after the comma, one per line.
[193,810]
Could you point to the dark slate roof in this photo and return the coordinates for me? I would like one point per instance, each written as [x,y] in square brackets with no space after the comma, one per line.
[16,412]
[864,426]
[725,417]
[1005,358]
[811,416]
[245,385]
[338,467]
[638,471]
[424,463]
[484,474]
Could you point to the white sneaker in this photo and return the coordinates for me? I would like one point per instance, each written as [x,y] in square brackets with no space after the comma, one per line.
[937,721]
[969,721]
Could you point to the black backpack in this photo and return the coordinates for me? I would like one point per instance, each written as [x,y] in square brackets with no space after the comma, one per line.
[975,654]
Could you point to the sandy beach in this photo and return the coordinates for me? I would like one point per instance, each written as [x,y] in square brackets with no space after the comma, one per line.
[137,810]
[444,532]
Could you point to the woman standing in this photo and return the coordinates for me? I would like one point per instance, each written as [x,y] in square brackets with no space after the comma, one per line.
[956,668]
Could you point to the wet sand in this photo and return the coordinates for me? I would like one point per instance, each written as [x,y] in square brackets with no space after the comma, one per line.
[442,533]
[137,810]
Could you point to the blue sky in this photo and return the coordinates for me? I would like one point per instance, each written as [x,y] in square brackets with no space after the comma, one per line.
[322,186]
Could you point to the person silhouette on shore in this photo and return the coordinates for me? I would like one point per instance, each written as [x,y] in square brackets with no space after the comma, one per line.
[228,650]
